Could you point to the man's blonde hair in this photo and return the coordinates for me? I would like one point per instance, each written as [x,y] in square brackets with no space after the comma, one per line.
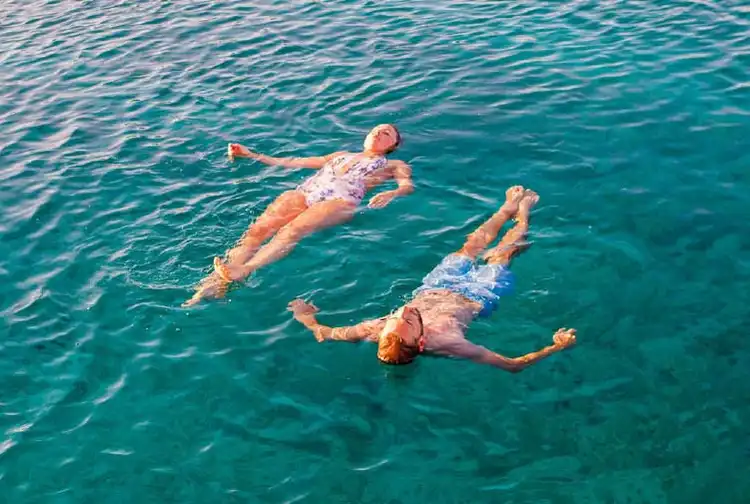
[391,350]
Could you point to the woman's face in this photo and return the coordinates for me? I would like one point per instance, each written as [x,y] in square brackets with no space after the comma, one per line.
[382,138]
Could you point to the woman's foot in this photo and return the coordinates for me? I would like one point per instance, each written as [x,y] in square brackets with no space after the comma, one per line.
[229,272]
[213,287]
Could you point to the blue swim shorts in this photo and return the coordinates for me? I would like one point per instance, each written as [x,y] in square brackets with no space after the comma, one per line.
[483,283]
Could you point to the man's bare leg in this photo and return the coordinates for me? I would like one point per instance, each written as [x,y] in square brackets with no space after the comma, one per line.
[485,234]
[514,242]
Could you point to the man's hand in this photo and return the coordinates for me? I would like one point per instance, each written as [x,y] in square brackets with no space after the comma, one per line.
[382,199]
[304,313]
[302,309]
[564,338]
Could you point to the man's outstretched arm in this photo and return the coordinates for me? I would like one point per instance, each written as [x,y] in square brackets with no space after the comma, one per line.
[304,313]
[563,338]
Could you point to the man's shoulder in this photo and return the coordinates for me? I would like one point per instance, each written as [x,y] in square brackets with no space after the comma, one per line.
[457,346]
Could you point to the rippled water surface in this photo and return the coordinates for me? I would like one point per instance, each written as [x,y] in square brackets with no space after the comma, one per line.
[629,118]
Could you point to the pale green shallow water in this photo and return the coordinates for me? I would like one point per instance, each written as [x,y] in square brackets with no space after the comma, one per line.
[629,118]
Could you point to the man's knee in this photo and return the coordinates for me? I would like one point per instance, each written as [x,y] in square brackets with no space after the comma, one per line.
[502,258]
[473,246]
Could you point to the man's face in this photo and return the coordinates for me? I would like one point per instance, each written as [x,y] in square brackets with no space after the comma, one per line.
[402,335]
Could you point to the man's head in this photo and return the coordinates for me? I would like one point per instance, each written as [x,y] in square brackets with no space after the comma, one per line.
[383,139]
[402,337]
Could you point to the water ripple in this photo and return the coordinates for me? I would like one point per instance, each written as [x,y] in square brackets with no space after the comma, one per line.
[629,118]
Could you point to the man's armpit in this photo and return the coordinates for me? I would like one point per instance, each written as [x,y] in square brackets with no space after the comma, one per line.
[370,329]
[363,331]
[462,348]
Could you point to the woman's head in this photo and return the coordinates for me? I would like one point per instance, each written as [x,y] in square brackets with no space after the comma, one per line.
[383,139]
[402,337]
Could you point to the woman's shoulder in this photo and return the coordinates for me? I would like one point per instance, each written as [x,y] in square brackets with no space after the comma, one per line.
[339,156]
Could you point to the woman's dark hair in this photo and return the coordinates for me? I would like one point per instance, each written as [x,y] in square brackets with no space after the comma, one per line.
[398,140]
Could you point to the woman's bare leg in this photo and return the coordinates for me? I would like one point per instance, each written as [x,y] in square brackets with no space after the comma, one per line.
[318,216]
[278,214]
[287,207]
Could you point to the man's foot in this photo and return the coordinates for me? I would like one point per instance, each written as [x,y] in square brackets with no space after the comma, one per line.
[514,242]
[229,272]
[513,197]
[528,201]
[237,150]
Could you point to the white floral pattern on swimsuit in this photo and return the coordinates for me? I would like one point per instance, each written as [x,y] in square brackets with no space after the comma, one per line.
[326,184]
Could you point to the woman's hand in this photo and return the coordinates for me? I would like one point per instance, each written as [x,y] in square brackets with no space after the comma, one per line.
[382,199]
[236,150]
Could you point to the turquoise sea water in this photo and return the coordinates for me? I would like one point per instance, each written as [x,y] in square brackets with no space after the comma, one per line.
[629,118]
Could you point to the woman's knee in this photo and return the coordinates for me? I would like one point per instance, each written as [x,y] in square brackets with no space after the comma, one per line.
[291,233]
[259,231]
